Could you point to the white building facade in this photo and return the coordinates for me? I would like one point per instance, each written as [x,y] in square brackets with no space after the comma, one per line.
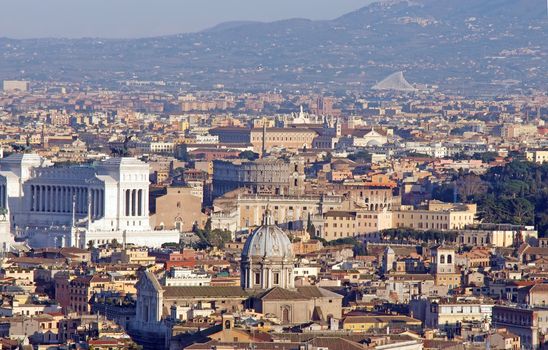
[80,205]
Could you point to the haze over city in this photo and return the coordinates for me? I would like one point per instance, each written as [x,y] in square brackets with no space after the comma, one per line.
[273,175]
[145,18]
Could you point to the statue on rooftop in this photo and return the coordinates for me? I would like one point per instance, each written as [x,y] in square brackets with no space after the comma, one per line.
[124,150]
[26,148]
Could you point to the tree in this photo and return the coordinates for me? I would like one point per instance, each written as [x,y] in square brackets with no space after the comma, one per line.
[522,211]
[358,247]
[218,238]
[211,238]
[249,155]
[444,192]
[183,154]
[360,156]
[516,193]
[485,157]
[207,226]
[470,185]
[310,227]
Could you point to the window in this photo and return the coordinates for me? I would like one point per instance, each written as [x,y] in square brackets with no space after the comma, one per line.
[257,278]
[276,278]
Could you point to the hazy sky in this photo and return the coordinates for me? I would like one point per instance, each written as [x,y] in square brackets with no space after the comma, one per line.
[139,18]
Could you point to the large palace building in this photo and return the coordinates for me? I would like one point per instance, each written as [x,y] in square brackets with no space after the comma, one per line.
[266,176]
[79,205]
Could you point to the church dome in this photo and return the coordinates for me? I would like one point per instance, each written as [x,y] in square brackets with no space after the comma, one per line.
[268,241]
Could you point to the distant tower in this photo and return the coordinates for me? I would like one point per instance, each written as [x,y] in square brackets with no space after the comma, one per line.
[43,137]
[338,128]
[443,266]
[263,148]
[325,122]
[442,260]
[388,258]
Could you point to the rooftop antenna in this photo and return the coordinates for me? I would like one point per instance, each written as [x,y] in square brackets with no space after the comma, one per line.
[263,148]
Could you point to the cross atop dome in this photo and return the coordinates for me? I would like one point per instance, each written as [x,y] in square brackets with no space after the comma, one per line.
[267,216]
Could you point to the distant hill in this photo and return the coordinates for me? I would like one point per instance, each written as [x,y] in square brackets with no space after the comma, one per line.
[229,25]
[466,45]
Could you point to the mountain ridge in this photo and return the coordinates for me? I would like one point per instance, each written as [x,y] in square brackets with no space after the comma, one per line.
[445,42]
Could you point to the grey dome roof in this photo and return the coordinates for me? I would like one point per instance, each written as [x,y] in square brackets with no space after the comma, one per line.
[268,241]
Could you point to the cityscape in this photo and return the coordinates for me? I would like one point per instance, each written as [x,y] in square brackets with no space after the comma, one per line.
[374,181]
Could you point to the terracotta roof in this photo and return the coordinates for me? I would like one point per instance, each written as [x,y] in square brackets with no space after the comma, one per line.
[537,288]
[204,292]
[340,213]
[110,341]
[380,319]
[335,343]
[536,251]
[317,292]
[278,293]
[235,345]
[441,344]
[36,261]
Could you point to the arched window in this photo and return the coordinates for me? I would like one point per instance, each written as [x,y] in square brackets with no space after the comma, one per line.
[285,315]
[449,259]
[442,259]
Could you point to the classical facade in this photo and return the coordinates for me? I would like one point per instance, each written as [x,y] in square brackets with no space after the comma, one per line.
[245,211]
[369,138]
[76,206]
[263,176]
